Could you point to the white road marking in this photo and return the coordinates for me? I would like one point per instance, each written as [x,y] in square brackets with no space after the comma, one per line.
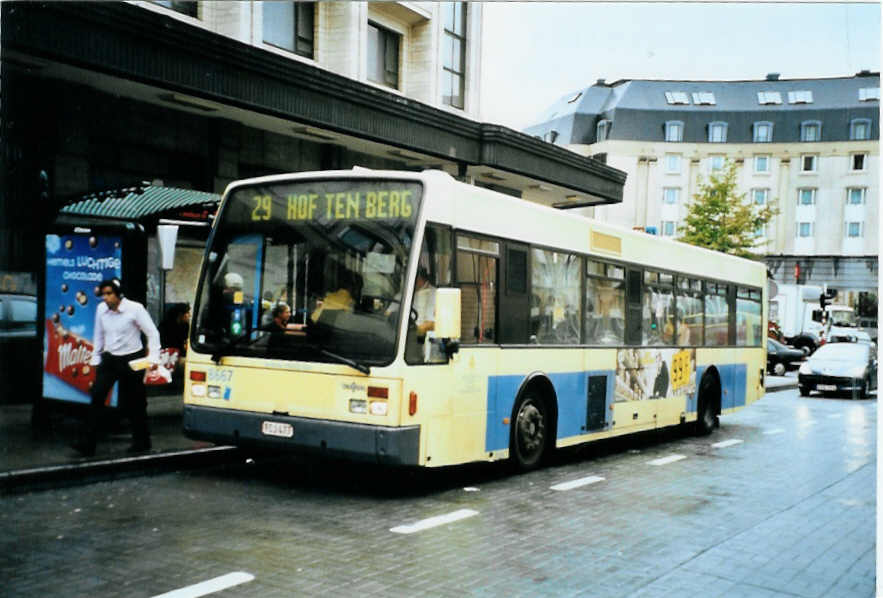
[666,460]
[577,483]
[727,443]
[774,431]
[434,521]
[210,586]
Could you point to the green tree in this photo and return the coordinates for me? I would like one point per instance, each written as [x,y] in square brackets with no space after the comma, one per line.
[719,218]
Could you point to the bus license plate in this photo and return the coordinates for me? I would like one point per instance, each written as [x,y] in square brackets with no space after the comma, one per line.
[277,429]
[826,387]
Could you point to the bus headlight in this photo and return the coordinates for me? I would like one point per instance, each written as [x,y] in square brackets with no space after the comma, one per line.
[358,406]
[379,407]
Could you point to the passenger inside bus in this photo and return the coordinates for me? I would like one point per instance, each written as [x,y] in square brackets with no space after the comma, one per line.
[343,299]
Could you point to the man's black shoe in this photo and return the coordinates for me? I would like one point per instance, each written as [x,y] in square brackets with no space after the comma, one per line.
[84,448]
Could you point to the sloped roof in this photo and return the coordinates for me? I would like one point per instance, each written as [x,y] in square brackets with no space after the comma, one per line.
[135,205]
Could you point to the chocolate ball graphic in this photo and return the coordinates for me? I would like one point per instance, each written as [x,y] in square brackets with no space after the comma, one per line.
[93,242]
[55,318]
[70,310]
[82,299]
[64,287]
[68,244]
[97,291]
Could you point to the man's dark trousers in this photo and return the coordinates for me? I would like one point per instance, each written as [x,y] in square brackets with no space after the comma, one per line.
[132,397]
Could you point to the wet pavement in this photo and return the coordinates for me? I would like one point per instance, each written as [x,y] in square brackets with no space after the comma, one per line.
[36,457]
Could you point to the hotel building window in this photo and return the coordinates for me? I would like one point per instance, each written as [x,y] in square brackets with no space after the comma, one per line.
[603,130]
[769,97]
[676,97]
[669,228]
[866,94]
[859,161]
[188,8]
[811,130]
[673,163]
[808,163]
[717,132]
[806,197]
[670,195]
[717,163]
[860,129]
[855,196]
[383,56]
[855,229]
[804,229]
[760,196]
[454,54]
[289,25]
[674,130]
[762,163]
[800,97]
[763,132]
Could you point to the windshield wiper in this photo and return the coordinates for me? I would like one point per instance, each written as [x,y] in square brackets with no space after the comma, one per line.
[237,342]
[346,361]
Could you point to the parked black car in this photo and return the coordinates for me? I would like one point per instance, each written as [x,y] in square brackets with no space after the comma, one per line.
[780,358]
[20,348]
[840,367]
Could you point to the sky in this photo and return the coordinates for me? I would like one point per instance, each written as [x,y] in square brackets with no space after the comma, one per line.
[536,52]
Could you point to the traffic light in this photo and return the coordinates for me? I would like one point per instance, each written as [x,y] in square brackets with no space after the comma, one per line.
[823,300]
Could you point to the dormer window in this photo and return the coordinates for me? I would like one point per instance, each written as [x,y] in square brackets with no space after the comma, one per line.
[674,130]
[866,94]
[676,97]
[859,129]
[551,136]
[800,97]
[769,97]
[811,130]
[763,132]
[717,132]
[603,130]
[703,98]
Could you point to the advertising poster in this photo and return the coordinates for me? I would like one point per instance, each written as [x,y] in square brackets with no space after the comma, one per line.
[643,374]
[75,265]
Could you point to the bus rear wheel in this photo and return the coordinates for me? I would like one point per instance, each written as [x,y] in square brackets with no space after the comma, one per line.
[528,435]
[709,399]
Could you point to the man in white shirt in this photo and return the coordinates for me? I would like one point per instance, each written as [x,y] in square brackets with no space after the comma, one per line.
[424,304]
[119,324]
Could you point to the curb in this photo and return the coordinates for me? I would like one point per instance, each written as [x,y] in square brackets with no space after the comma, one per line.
[780,388]
[55,476]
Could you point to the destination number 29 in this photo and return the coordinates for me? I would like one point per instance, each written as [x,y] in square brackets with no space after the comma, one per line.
[263,206]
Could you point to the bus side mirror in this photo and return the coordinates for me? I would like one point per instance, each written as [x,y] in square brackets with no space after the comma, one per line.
[447,317]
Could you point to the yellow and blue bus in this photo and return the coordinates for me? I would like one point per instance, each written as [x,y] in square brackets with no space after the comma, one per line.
[539,328]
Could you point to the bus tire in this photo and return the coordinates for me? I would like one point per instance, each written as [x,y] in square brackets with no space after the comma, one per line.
[528,435]
[709,405]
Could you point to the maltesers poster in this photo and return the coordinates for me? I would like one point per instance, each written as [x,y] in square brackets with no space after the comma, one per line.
[75,265]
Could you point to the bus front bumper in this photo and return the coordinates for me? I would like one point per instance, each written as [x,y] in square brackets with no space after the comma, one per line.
[362,442]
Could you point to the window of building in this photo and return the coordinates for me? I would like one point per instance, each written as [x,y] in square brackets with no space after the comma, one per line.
[855,196]
[703,98]
[854,230]
[289,25]
[669,228]
[550,136]
[800,97]
[717,132]
[808,162]
[763,132]
[454,54]
[555,284]
[858,161]
[383,55]
[670,195]
[673,163]
[859,129]
[603,130]
[762,163]
[477,278]
[806,197]
[811,130]
[189,8]
[805,229]
[760,231]
[674,130]
[760,196]
[769,97]
[605,304]
[868,93]
[717,162]
[676,97]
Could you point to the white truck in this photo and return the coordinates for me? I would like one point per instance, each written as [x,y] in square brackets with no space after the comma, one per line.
[797,311]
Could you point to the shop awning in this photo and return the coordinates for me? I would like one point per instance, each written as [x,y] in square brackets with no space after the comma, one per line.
[145,202]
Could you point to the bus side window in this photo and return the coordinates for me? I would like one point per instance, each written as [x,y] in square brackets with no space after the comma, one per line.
[477,261]
[433,272]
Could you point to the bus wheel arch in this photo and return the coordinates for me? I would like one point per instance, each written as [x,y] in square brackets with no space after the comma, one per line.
[534,422]
[708,406]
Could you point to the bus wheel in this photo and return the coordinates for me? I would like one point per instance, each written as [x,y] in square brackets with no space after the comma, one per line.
[709,397]
[528,436]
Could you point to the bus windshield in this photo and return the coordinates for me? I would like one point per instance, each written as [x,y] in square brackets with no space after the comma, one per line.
[843,317]
[308,270]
